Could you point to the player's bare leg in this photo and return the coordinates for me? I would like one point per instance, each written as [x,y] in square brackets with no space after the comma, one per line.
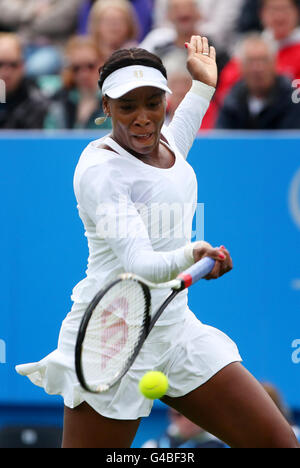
[233,406]
[85,428]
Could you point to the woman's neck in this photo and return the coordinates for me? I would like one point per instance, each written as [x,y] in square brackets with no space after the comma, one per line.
[161,156]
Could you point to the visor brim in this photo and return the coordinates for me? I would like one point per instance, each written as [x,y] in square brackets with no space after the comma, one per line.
[121,90]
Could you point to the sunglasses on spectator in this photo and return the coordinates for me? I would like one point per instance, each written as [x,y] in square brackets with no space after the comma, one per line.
[83,66]
[10,64]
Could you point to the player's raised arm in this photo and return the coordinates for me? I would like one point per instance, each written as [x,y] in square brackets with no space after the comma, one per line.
[201,64]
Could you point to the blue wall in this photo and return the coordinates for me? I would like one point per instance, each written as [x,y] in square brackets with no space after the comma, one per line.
[252,205]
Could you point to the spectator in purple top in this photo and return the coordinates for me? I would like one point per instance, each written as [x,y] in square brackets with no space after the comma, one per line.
[143,9]
[113,25]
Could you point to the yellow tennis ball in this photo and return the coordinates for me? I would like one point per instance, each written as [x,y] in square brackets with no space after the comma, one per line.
[153,384]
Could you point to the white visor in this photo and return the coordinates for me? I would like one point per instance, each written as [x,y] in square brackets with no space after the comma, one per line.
[126,79]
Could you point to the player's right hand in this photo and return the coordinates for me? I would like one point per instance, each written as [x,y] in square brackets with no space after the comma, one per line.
[220,254]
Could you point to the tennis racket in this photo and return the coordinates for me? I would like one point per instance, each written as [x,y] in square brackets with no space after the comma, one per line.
[117,322]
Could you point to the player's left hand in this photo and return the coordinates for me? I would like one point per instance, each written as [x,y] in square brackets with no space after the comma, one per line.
[221,267]
[201,61]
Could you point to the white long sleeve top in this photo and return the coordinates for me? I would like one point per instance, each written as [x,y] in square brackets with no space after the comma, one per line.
[138,218]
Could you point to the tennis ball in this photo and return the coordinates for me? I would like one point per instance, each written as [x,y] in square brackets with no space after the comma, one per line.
[153,384]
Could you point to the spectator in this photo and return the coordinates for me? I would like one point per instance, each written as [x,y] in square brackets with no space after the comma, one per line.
[183,18]
[249,20]
[78,103]
[83,16]
[143,9]
[113,25]
[25,106]
[185,21]
[218,19]
[219,22]
[182,433]
[280,19]
[44,27]
[281,23]
[274,393]
[262,100]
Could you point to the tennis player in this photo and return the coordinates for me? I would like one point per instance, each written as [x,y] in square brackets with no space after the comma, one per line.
[118,180]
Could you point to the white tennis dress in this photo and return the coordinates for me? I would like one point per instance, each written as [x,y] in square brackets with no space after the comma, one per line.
[138,218]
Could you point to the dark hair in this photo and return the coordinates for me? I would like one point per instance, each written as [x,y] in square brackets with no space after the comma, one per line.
[127,57]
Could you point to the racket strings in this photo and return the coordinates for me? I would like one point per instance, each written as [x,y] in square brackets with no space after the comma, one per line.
[113,331]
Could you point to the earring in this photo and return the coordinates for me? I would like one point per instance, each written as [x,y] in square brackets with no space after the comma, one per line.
[100,120]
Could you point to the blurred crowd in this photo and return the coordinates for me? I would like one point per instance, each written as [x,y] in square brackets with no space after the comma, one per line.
[51,52]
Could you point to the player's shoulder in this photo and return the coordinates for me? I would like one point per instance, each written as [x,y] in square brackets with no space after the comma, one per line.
[96,152]
[97,155]
[97,162]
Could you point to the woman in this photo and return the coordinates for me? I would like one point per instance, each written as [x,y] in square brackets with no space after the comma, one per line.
[114,25]
[143,10]
[76,105]
[140,164]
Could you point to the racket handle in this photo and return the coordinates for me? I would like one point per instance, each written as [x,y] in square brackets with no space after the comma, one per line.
[196,272]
